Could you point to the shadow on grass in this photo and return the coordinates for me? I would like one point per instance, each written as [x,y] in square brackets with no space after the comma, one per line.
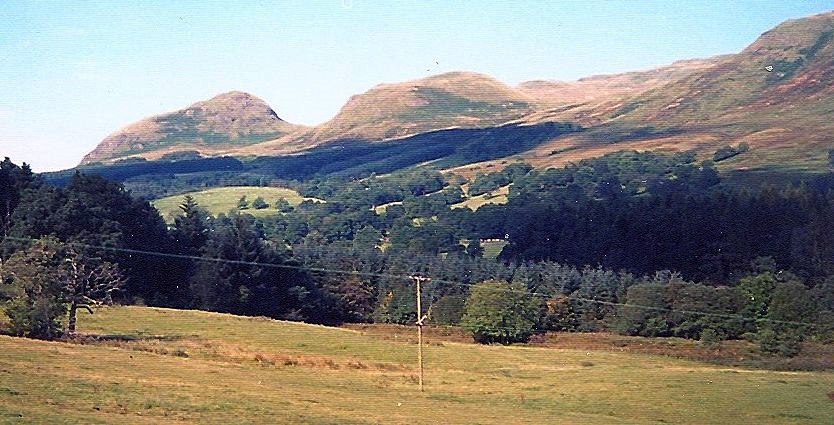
[92,337]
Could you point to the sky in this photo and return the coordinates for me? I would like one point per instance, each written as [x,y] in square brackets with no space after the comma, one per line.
[73,72]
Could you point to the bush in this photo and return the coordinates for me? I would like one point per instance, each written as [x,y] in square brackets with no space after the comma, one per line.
[781,342]
[497,311]
[711,338]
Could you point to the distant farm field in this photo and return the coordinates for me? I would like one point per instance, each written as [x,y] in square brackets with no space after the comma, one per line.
[499,196]
[160,366]
[222,199]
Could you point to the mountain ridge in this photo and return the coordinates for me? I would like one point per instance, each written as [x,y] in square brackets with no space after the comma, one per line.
[775,95]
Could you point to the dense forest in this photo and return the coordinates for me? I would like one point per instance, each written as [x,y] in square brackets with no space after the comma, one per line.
[641,243]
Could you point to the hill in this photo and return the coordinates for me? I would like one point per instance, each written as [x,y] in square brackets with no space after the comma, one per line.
[208,127]
[159,365]
[775,97]
[597,88]
[397,110]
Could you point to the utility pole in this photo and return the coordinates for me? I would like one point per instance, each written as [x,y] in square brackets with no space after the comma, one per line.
[419,279]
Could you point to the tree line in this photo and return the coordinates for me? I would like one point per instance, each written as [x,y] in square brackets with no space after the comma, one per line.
[641,243]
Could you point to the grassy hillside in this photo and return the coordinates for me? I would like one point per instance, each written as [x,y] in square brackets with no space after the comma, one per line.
[211,126]
[222,199]
[498,196]
[165,365]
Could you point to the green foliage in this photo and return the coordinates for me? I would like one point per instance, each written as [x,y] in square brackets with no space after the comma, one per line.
[191,228]
[282,205]
[475,249]
[242,203]
[234,285]
[561,314]
[13,181]
[259,203]
[448,310]
[33,280]
[784,342]
[367,238]
[94,211]
[711,338]
[726,152]
[497,311]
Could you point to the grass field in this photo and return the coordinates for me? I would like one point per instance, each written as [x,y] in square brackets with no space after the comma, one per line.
[222,199]
[160,366]
[493,248]
[498,196]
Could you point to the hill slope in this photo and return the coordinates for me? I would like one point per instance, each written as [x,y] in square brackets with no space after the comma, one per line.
[548,93]
[397,110]
[159,365]
[211,126]
[777,95]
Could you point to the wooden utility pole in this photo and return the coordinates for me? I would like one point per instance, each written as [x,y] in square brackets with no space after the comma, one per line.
[419,279]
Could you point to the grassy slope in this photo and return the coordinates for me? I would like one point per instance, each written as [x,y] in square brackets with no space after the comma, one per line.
[315,374]
[222,199]
[498,196]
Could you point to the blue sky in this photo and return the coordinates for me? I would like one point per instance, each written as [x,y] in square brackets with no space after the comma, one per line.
[72,72]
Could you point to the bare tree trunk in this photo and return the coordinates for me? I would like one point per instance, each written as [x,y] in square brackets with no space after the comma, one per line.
[73,314]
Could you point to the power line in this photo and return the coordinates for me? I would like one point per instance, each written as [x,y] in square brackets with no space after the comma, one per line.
[409,277]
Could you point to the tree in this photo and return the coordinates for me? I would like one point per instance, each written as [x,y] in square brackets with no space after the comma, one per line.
[242,203]
[48,280]
[474,248]
[94,211]
[191,228]
[32,280]
[259,203]
[497,311]
[367,238]
[283,205]
[756,291]
[783,330]
[88,282]
[13,180]
[235,282]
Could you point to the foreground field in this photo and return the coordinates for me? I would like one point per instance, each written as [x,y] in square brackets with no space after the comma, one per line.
[158,365]
[222,199]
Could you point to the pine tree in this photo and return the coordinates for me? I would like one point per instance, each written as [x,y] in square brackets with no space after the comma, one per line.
[229,283]
[191,228]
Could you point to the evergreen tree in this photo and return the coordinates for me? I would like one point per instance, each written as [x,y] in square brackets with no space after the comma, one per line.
[190,229]
[230,283]
[13,180]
